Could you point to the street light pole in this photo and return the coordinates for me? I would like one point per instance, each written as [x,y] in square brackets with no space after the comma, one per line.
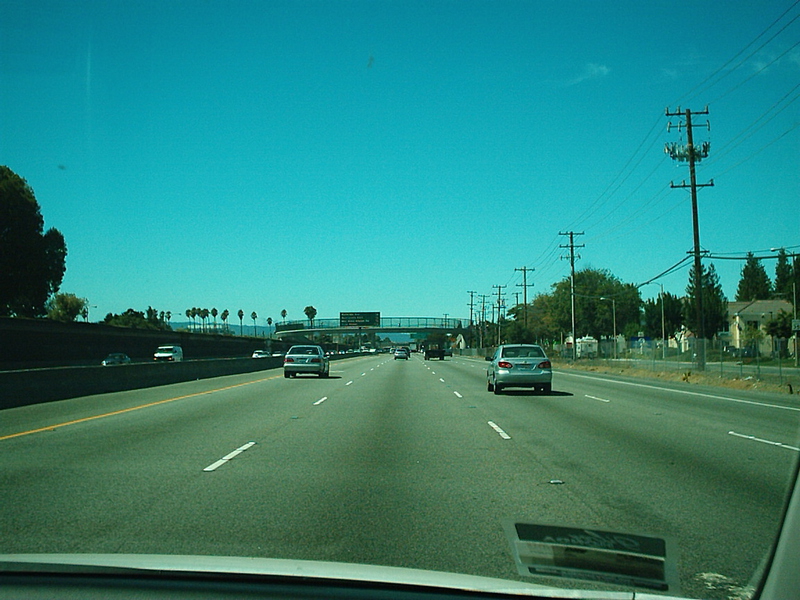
[614,317]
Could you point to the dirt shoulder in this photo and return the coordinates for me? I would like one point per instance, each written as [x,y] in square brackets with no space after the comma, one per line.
[688,376]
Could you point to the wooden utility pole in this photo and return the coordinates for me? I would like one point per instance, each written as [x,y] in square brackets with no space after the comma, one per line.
[693,154]
[572,247]
[525,287]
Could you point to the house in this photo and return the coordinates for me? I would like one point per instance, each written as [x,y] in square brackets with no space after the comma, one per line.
[748,321]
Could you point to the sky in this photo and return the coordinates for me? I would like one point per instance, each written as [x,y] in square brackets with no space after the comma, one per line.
[393,156]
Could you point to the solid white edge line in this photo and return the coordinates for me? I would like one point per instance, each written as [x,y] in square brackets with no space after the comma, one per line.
[771,443]
[663,389]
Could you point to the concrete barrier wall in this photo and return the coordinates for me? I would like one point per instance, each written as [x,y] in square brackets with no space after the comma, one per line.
[34,386]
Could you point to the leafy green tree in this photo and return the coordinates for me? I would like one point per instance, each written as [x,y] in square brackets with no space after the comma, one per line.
[32,263]
[715,304]
[137,319]
[594,309]
[66,307]
[781,328]
[673,315]
[311,312]
[754,283]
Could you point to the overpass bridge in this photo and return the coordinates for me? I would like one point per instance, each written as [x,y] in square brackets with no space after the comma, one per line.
[413,325]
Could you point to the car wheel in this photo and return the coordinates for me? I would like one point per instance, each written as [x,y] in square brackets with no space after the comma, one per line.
[547,388]
[286,375]
[489,386]
[497,388]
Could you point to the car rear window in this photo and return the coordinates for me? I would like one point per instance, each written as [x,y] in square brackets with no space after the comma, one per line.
[523,353]
[303,350]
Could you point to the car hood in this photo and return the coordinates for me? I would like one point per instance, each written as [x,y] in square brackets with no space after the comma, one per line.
[305,570]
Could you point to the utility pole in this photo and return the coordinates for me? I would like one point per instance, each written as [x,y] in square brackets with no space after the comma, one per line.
[693,154]
[471,305]
[572,247]
[525,287]
[499,305]
[482,317]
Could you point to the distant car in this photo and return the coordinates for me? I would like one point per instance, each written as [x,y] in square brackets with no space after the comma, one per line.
[261,354]
[401,353]
[168,354]
[117,358]
[306,359]
[519,365]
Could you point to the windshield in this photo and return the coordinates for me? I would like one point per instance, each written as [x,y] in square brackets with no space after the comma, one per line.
[160,164]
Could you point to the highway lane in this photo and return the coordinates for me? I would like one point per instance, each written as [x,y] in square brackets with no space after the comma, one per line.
[394,462]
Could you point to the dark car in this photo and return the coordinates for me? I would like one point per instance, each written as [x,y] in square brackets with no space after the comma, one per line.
[116,358]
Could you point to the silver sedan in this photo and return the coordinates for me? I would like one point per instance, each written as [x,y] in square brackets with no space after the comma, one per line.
[519,365]
[306,359]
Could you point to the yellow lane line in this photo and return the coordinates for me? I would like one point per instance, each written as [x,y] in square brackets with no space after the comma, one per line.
[131,409]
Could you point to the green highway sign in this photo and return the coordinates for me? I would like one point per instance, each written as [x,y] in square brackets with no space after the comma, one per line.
[359,319]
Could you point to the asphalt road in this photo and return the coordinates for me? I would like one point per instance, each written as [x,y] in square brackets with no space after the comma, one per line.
[406,463]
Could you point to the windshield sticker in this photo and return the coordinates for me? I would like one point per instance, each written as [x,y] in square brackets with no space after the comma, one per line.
[611,557]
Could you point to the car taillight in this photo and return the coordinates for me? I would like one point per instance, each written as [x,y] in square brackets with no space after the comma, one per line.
[545,364]
[504,364]
[287,359]
[316,360]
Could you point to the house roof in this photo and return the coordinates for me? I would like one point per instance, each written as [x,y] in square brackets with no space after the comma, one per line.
[756,308]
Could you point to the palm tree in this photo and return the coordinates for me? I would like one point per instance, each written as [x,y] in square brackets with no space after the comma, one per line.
[269,321]
[194,317]
[214,313]
[254,316]
[224,316]
[283,315]
[169,316]
[241,316]
[311,312]
[204,315]
[188,313]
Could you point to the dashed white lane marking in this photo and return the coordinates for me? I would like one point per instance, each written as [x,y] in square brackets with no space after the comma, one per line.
[596,398]
[457,394]
[497,428]
[440,379]
[228,457]
[349,382]
[321,400]
[771,443]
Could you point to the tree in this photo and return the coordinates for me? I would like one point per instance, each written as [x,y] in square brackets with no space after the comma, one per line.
[283,315]
[781,328]
[754,283]
[594,308]
[204,316]
[673,315]
[137,320]
[32,264]
[715,304]
[214,313]
[241,316]
[66,307]
[269,321]
[311,312]
[254,316]
[224,316]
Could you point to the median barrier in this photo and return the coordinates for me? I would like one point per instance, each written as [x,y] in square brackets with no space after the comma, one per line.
[36,386]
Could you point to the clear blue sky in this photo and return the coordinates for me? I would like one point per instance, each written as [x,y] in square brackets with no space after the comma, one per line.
[390,156]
